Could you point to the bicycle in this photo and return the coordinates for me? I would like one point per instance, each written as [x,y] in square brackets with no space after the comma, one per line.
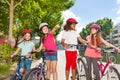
[17,75]
[39,72]
[108,70]
[81,69]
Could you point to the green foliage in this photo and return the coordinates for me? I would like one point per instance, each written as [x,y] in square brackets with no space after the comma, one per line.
[31,13]
[4,68]
[4,19]
[5,51]
[106,28]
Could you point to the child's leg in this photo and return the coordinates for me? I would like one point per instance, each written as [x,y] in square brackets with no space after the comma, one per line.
[73,74]
[89,63]
[48,71]
[22,66]
[73,61]
[67,74]
[27,65]
[68,59]
[54,70]
[22,70]
[96,69]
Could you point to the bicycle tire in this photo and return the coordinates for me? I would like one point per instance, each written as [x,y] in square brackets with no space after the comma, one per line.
[33,74]
[113,74]
[81,70]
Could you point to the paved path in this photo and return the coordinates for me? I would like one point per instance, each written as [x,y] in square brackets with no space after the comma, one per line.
[61,66]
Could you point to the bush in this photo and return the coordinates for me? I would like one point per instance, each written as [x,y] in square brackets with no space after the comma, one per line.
[4,68]
[5,52]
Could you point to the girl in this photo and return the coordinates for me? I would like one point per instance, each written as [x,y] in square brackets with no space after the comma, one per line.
[70,37]
[26,46]
[48,41]
[92,52]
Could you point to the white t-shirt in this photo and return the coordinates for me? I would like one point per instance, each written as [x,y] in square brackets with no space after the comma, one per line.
[70,37]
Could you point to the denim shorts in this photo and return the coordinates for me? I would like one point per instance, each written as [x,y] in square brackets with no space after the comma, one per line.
[51,57]
[25,63]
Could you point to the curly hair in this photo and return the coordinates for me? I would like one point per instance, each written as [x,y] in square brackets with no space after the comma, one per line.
[67,26]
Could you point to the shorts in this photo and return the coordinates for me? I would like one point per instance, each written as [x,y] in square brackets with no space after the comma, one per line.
[25,63]
[51,57]
[70,59]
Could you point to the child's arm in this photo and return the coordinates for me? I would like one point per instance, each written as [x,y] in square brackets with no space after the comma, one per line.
[34,49]
[109,44]
[55,28]
[16,52]
[82,40]
[40,47]
[63,43]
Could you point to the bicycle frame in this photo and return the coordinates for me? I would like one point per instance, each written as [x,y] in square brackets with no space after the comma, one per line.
[41,69]
[103,68]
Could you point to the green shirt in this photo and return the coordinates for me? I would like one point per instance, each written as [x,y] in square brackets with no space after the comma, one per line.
[26,47]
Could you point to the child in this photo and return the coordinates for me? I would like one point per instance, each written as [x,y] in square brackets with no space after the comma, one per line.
[26,46]
[70,37]
[92,52]
[48,42]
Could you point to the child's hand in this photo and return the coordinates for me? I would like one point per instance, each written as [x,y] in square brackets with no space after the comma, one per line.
[118,50]
[66,45]
[38,50]
[98,49]
[12,56]
[57,26]
[28,55]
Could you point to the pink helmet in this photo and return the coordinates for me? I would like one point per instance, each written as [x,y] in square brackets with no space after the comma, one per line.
[96,26]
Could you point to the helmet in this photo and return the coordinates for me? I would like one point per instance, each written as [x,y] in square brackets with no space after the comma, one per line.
[96,26]
[42,25]
[72,20]
[26,31]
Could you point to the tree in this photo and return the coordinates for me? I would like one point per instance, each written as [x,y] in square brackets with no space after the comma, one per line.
[106,28]
[12,6]
[31,13]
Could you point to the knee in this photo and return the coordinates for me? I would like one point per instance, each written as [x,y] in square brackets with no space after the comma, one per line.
[48,68]
[22,70]
[54,70]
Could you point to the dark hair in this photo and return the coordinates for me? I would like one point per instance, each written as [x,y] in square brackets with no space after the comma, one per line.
[42,36]
[67,26]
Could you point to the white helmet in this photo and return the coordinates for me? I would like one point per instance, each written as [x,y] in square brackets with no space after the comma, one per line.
[42,25]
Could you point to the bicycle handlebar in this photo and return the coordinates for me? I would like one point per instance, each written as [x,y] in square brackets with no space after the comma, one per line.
[113,50]
[109,51]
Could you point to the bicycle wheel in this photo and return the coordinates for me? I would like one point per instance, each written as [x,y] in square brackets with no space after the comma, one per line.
[81,70]
[34,74]
[111,74]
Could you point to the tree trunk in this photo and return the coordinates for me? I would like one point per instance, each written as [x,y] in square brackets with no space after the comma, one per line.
[11,20]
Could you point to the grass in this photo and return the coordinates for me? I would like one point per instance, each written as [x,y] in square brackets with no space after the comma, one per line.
[4,68]
[117,57]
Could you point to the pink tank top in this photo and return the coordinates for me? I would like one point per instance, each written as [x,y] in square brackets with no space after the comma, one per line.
[90,52]
[49,42]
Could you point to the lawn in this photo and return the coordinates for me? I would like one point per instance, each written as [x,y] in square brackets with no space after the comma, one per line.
[4,68]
